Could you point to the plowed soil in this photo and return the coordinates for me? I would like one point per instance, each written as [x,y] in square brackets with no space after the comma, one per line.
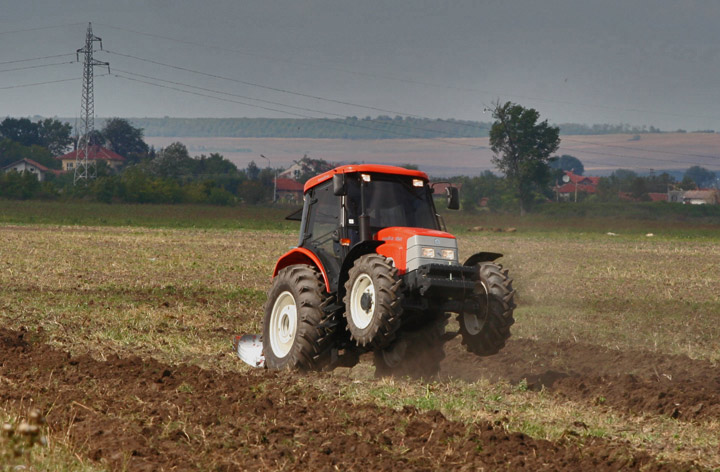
[633,381]
[129,413]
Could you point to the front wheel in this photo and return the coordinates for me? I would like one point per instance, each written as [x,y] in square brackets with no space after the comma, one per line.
[293,332]
[372,301]
[485,323]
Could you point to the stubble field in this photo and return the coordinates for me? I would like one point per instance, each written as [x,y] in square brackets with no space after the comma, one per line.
[121,338]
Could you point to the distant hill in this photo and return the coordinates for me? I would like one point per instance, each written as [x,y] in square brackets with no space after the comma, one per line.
[381,127]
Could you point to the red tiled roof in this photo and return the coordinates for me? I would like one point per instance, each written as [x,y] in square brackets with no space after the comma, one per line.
[95,153]
[32,163]
[570,188]
[289,185]
[581,179]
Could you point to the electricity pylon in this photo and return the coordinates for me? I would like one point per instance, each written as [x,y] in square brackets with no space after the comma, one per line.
[85,168]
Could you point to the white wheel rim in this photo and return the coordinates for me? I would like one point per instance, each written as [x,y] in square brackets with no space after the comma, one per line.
[472,323]
[363,285]
[283,324]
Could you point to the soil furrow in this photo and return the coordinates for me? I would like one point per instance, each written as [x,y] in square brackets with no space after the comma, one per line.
[139,414]
[633,381]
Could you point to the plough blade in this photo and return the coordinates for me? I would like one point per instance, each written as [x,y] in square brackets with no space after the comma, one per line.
[250,349]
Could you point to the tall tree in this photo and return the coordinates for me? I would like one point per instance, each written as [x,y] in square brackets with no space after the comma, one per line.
[125,139]
[54,135]
[21,130]
[522,148]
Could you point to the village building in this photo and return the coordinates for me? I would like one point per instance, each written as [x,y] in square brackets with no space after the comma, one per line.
[575,185]
[702,197]
[28,165]
[95,153]
[289,190]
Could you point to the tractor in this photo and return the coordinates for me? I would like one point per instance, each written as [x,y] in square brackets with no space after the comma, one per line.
[374,270]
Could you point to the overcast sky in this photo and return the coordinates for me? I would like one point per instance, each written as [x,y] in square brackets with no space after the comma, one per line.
[643,62]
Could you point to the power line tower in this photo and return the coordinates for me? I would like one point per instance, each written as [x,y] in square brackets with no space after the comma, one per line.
[84,168]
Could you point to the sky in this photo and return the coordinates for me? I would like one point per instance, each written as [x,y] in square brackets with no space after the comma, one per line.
[641,62]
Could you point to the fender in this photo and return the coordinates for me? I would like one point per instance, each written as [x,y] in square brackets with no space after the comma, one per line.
[360,249]
[482,257]
[301,255]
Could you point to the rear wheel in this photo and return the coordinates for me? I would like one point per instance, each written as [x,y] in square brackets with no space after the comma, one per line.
[485,327]
[414,353]
[294,335]
[372,301]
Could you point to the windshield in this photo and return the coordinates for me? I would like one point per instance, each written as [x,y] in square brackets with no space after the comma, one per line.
[392,201]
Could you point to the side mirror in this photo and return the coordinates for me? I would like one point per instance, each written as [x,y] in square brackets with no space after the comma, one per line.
[339,188]
[453,198]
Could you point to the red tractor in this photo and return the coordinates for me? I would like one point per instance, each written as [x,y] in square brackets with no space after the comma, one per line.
[373,271]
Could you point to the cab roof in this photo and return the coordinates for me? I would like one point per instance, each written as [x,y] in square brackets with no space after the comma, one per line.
[369,168]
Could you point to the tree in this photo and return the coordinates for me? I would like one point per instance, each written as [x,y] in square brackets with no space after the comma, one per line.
[522,148]
[22,131]
[214,164]
[54,135]
[702,177]
[173,162]
[567,162]
[125,139]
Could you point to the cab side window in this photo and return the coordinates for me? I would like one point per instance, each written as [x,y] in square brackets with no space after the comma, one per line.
[323,220]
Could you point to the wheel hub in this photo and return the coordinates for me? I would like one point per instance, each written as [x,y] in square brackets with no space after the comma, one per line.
[366,302]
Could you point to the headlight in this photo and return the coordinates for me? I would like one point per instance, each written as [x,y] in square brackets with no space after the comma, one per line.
[448,254]
[428,252]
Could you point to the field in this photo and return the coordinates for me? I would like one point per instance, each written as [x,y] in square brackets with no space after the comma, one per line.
[601,154]
[119,334]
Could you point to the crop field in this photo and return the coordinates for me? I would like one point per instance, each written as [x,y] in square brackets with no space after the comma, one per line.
[115,354]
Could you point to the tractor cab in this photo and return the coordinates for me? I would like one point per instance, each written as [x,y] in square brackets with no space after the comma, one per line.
[348,207]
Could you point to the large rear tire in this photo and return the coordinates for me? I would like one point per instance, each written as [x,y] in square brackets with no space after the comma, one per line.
[372,301]
[416,354]
[486,326]
[294,331]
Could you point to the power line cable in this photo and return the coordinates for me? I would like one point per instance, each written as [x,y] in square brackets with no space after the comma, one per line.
[37,66]
[39,29]
[37,58]
[38,83]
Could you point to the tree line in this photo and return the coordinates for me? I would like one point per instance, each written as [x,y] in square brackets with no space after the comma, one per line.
[352,127]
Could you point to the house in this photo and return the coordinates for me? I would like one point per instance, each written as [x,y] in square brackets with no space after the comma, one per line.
[289,190]
[675,196]
[702,197]
[28,165]
[304,167]
[95,153]
[576,184]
